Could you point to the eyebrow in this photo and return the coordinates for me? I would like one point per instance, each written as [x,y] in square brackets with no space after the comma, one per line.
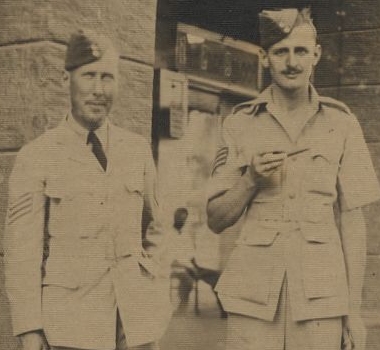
[281,48]
[287,48]
[92,72]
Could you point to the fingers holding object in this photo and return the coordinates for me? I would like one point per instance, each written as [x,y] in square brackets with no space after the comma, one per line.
[272,157]
[264,164]
[267,168]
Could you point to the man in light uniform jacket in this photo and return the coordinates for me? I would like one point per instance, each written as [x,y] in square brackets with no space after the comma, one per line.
[294,279]
[80,190]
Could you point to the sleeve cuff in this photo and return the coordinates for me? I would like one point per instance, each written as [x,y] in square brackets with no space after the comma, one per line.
[361,200]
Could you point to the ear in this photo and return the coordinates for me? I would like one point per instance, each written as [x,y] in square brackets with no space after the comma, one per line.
[65,78]
[317,54]
[264,58]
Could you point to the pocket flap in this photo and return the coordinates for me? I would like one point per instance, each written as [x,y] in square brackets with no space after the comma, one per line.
[324,153]
[54,191]
[134,184]
[149,265]
[258,234]
[317,232]
[59,190]
[67,187]
[315,213]
[318,156]
[63,273]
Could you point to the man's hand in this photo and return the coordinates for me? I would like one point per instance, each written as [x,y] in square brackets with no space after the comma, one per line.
[34,341]
[354,333]
[265,164]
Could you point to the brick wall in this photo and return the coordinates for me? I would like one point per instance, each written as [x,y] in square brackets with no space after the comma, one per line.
[350,71]
[33,96]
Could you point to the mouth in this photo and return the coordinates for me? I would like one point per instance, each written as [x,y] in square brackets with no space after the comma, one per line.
[96,103]
[291,74]
[97,106]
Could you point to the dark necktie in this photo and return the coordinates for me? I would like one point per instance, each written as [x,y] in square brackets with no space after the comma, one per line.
[97,149]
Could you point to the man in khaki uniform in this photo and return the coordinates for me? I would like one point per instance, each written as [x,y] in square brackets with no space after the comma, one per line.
[291,157]
[77,194]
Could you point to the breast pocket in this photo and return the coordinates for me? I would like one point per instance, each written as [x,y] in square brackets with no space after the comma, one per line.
[127,204]
[73,211]
[62,216]
[321,171]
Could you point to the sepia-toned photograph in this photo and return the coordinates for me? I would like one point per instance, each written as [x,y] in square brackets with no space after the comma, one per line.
[189,175]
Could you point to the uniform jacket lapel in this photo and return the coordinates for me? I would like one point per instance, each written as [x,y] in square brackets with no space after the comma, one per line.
[74,147]
[122,151]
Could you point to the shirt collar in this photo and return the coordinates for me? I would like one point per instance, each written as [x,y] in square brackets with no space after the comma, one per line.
[101,132]
[309,110]
[266,97]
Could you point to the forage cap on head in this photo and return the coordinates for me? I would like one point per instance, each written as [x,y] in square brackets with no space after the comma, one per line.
[276,25]
[86,46]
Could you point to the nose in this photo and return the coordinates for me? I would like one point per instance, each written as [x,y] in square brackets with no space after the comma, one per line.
[292,59]
[98,86]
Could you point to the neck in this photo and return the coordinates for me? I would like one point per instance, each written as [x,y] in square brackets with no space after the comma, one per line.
[289,100]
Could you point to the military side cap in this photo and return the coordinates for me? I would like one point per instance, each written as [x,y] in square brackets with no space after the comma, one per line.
[276,25]
[85,47]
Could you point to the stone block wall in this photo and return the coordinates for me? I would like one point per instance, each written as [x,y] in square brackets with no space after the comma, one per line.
[350,71]
[33,95]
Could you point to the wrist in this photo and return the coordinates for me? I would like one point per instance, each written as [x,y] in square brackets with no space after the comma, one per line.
[249,181]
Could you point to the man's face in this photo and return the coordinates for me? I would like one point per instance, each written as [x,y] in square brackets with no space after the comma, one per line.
[292,59]
[93,88]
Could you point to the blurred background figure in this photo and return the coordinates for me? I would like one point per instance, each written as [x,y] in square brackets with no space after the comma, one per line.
[181,252]
[174,248]
[185,255]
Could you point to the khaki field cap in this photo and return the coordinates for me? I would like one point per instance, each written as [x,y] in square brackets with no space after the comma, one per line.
[85,47]
[276,25]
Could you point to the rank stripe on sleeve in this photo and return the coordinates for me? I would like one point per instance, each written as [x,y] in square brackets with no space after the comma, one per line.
[221,158]
[21,207]
[23,198]
[221,154]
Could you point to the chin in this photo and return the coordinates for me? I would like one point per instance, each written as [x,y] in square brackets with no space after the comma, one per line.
[292,86]
[96,120]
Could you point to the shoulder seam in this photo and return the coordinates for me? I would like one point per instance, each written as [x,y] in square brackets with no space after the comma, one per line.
[248,107]
[331,102]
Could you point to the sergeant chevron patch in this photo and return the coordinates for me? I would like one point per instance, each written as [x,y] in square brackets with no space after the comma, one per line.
[221,158]
[22,206]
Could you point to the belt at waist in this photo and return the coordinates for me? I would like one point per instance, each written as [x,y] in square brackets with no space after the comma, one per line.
[278,211]
[100,247]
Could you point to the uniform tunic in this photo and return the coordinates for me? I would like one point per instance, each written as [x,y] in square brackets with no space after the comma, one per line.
[290,226]
[91,220]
